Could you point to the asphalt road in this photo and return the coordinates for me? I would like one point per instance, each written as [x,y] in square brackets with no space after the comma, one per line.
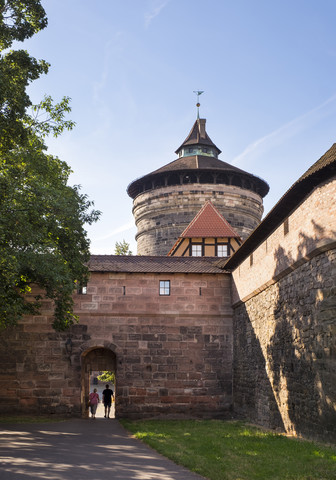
[81,449]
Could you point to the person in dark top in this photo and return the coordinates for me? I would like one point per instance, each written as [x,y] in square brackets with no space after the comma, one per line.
[107,400]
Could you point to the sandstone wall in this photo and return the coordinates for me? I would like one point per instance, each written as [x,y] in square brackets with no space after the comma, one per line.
[173,354]
[309,227]
[161,215]
[284,373]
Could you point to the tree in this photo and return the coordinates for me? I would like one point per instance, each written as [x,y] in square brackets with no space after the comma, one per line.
[42,218]
[20,19]
[108,377]
[122,248]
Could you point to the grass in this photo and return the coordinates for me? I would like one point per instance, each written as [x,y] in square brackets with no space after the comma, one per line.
[221,450]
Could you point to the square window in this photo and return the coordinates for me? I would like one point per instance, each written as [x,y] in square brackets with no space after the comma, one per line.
[82,290]
[164,287]
[222,251]
[196,250]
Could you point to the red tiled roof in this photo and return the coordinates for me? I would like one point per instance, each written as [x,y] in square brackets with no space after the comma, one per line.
[209,223]
[151,264]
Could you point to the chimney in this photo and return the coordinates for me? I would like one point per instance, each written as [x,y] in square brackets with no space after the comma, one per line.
[201,127]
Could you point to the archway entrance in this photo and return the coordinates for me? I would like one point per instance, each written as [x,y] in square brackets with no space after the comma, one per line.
[95,361]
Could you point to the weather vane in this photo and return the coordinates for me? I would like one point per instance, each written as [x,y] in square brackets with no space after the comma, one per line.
[198,93]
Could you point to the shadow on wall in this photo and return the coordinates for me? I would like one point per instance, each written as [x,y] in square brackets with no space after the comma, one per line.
[285,352]
[302,350]
[252,390]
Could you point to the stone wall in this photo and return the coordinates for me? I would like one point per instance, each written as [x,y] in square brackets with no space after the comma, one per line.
[309,227]
[285,352]
[36,375]
[284,373]
[162,214]
[173,354]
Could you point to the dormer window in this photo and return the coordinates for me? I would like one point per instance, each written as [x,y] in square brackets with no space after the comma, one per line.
[222,250]
[196,250]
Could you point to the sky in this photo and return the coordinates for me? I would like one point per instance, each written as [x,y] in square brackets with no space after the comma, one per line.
[267,69]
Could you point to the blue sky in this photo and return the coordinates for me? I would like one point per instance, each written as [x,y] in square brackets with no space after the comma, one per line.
[268,70]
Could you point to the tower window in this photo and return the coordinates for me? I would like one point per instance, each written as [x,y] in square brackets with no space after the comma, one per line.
[222,251]
[196,250]
[164,287]
[286,226]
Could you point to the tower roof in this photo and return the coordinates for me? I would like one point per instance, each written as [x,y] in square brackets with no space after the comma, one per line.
[209,223]
[198,136]
[197,163]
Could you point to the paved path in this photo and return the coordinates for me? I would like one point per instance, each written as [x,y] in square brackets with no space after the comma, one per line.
[78,450]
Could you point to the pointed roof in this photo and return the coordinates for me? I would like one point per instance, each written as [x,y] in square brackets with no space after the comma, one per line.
[209,223]
[198,136]
[198,163]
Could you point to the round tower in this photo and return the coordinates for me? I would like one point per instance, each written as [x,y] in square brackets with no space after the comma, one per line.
[166,200]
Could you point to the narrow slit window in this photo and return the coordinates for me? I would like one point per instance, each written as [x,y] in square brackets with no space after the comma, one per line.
[286,226]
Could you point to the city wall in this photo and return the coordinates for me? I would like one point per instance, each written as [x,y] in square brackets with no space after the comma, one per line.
[284,293]
[172,355]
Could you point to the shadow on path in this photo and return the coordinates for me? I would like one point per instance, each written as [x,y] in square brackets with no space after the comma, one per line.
[81,449]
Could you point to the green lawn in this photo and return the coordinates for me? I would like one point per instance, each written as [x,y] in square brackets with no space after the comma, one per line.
[221,450]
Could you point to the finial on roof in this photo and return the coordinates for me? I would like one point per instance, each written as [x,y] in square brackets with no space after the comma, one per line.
[198,93]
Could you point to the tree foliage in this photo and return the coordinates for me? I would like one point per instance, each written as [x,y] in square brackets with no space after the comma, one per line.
[108,377]
[20,19]
[122,248]
[42,237]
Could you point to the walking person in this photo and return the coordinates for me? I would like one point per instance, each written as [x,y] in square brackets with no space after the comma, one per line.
[94,400]
[107,400]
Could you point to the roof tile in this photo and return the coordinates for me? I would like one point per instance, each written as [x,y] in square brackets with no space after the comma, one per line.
[209,223]
[153,264]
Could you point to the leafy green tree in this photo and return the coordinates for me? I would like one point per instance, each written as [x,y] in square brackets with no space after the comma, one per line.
[108,377]
[122,248]
[42,237]
[20,19]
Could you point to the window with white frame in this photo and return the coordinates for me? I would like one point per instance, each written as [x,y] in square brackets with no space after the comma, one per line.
[164,287]
[222,250]
[196,250]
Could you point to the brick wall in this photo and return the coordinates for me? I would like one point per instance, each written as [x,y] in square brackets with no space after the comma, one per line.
[173,353]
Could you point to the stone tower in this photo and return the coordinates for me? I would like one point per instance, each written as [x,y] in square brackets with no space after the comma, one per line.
[166,200]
